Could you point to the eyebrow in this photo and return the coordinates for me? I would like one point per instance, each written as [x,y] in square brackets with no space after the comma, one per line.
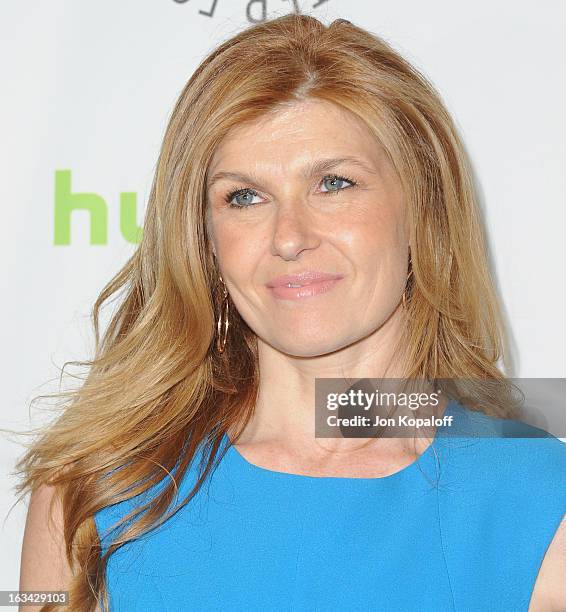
[310,170]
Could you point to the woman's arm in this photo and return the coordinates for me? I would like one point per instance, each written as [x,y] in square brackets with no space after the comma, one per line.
[549,593]
[44,565]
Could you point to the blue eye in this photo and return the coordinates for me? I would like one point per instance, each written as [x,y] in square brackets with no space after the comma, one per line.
[334,180]
[246,194]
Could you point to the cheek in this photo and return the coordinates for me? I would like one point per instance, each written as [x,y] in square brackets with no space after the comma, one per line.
[377,243]
[378,252]
[237,250]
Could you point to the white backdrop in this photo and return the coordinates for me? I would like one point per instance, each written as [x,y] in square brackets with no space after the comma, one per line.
[88,86]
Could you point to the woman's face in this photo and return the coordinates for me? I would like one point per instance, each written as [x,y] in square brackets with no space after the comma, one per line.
[296,209]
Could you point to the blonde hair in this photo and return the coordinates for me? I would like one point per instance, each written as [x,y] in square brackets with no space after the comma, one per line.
[157,388]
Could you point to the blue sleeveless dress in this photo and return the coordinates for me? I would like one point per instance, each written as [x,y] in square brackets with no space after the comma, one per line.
[463,528]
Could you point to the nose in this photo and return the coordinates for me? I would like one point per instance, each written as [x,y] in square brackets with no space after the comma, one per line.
[294,231]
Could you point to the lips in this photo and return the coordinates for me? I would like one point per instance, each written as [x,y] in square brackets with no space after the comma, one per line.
[303,279]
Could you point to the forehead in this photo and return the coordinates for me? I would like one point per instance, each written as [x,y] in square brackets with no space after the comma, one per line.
[298,132]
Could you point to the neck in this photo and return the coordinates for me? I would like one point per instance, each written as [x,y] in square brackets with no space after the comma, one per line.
[285,412]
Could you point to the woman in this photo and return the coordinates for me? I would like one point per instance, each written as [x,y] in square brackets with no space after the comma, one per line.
[312,216]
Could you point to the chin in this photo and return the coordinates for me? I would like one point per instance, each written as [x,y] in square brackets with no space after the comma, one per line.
[309,345]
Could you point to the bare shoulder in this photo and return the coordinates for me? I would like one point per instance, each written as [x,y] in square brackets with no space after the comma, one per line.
[44,564]
[549,593]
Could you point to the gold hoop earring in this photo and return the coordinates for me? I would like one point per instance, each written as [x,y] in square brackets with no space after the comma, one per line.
[223,321]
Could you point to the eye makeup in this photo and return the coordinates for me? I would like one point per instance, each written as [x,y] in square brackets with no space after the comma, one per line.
[247,190]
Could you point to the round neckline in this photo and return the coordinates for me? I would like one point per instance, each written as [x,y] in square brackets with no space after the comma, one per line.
[426,457]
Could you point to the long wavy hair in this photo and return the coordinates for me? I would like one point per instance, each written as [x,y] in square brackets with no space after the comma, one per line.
[157,388]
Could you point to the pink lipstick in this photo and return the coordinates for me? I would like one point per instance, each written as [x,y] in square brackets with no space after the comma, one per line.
[304,284]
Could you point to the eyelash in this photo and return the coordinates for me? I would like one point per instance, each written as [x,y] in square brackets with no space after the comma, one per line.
[231,194]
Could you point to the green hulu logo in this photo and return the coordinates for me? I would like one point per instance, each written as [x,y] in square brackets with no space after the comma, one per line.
[66,202]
